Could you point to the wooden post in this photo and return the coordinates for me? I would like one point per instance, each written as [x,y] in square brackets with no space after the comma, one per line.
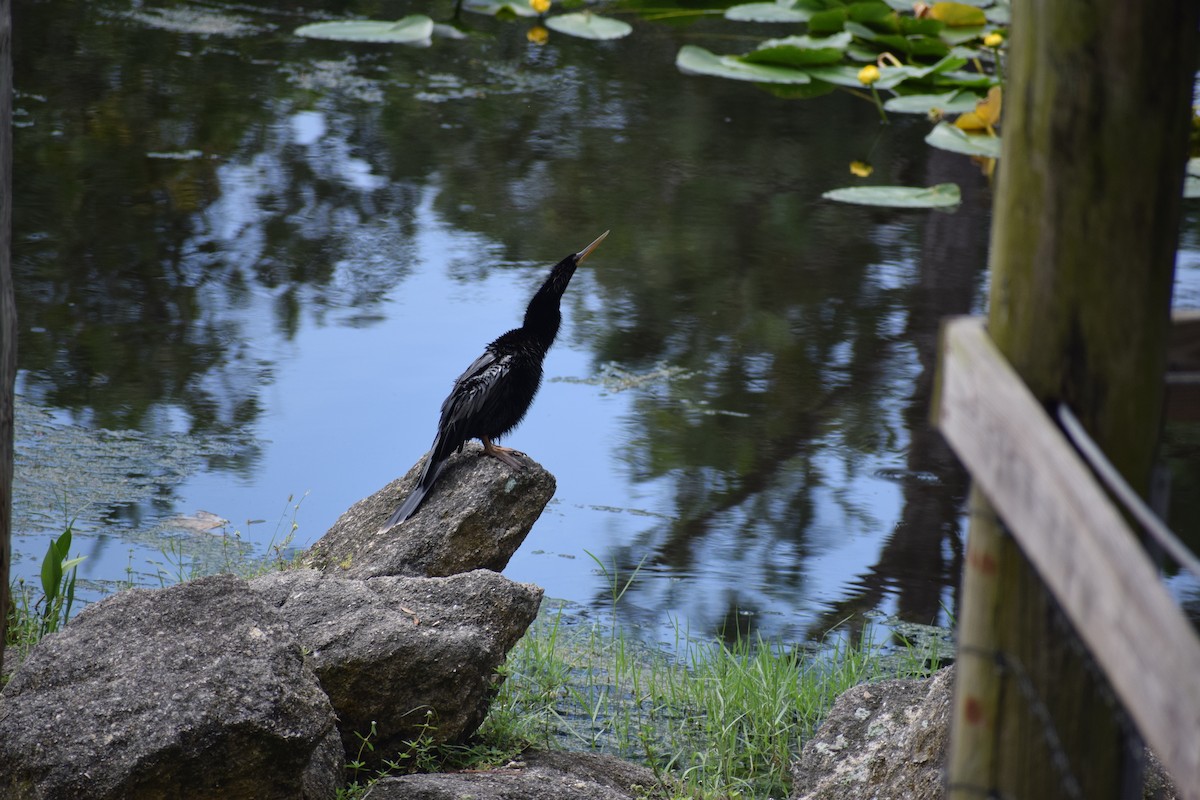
[1083,241]
[8,320]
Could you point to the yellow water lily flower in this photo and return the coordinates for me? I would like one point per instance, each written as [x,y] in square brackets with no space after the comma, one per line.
[538,35]
[540,6]
[861,169]
[868,74]
[993,40]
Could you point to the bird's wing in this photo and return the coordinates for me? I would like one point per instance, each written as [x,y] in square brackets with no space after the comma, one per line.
[473,389]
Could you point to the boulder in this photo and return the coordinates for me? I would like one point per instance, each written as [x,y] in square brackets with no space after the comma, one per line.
[196,690]
[885,739]
[890,739]
[412,656]
[537,776]
[475,517]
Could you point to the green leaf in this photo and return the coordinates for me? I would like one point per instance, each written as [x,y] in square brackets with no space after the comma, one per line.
[51,572]
[958,15]
[415,29]
[947,137]
[826,22]
[587,25]
[64,542]
[954,36]
[844,75]
[767,12]
[942,195]
[800,51]
[956,102]
[496,9]
[877,14]
[693,60]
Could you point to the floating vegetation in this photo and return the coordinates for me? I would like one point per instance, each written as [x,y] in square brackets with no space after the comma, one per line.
[202,22]
[586,25]
[615,378]
[337,76]
[943,195]
[415,30]
[66,472]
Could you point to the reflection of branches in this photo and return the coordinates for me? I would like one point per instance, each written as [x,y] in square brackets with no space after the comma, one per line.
[912,564]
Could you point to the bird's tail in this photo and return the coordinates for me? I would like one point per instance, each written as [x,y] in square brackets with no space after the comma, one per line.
[429,476]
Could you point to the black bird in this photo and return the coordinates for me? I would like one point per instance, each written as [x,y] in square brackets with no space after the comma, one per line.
[492,396]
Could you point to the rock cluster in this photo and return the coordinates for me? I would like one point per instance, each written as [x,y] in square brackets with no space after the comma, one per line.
[226,688]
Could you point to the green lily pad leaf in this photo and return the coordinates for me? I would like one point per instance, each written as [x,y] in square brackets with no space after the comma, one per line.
[492,8]
[843,75]
[947,137]
[958,15]
[874,13]
[693,60]
[586,25]
[800,51]
[943,195]
[912,26]
[963,80]
[953,36]
[823,23]
[899,197]
[948,103]
[414,29]
[893,76]
[767,12]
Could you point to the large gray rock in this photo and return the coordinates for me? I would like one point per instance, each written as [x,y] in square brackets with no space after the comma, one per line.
[387,650]
[475,517]
[538,776]
[890,739]
[885,739]
[196,691]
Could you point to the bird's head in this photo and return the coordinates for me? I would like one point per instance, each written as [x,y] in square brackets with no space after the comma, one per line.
[543,314]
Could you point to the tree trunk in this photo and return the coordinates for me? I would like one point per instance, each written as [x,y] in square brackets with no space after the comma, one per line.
[8,321]
[1084,234]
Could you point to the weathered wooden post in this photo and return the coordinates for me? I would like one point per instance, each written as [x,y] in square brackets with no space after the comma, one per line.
[1083,246]
[8,319]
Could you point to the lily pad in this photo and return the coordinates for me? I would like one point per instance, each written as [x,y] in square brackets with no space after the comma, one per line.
[693,60]
[586,25]
[767,12]
[948,137]
[943,195]
[414,29]
[800,51]
[492,8]
[948,103]
[958,15]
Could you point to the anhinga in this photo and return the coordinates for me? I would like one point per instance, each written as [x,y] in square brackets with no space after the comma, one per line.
[492,396]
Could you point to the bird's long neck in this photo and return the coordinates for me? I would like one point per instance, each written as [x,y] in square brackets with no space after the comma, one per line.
[543,317]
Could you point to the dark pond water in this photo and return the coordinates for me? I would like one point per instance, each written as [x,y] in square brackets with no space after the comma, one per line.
[249,266]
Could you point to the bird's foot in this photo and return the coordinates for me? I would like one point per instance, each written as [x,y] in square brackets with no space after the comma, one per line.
[505,454]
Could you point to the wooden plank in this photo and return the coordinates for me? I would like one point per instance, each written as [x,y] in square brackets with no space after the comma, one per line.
[1078,542]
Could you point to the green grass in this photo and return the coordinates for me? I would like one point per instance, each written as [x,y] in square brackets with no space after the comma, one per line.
[711,720]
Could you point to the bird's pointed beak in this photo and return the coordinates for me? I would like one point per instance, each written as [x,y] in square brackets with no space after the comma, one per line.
[587,251]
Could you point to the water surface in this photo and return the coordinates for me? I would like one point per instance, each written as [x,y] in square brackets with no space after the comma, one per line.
[249,266]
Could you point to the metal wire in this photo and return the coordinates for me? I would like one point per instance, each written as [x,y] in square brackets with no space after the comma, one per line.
[1130,499]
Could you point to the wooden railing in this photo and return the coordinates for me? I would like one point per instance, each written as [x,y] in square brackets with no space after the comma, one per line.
[1077,538]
